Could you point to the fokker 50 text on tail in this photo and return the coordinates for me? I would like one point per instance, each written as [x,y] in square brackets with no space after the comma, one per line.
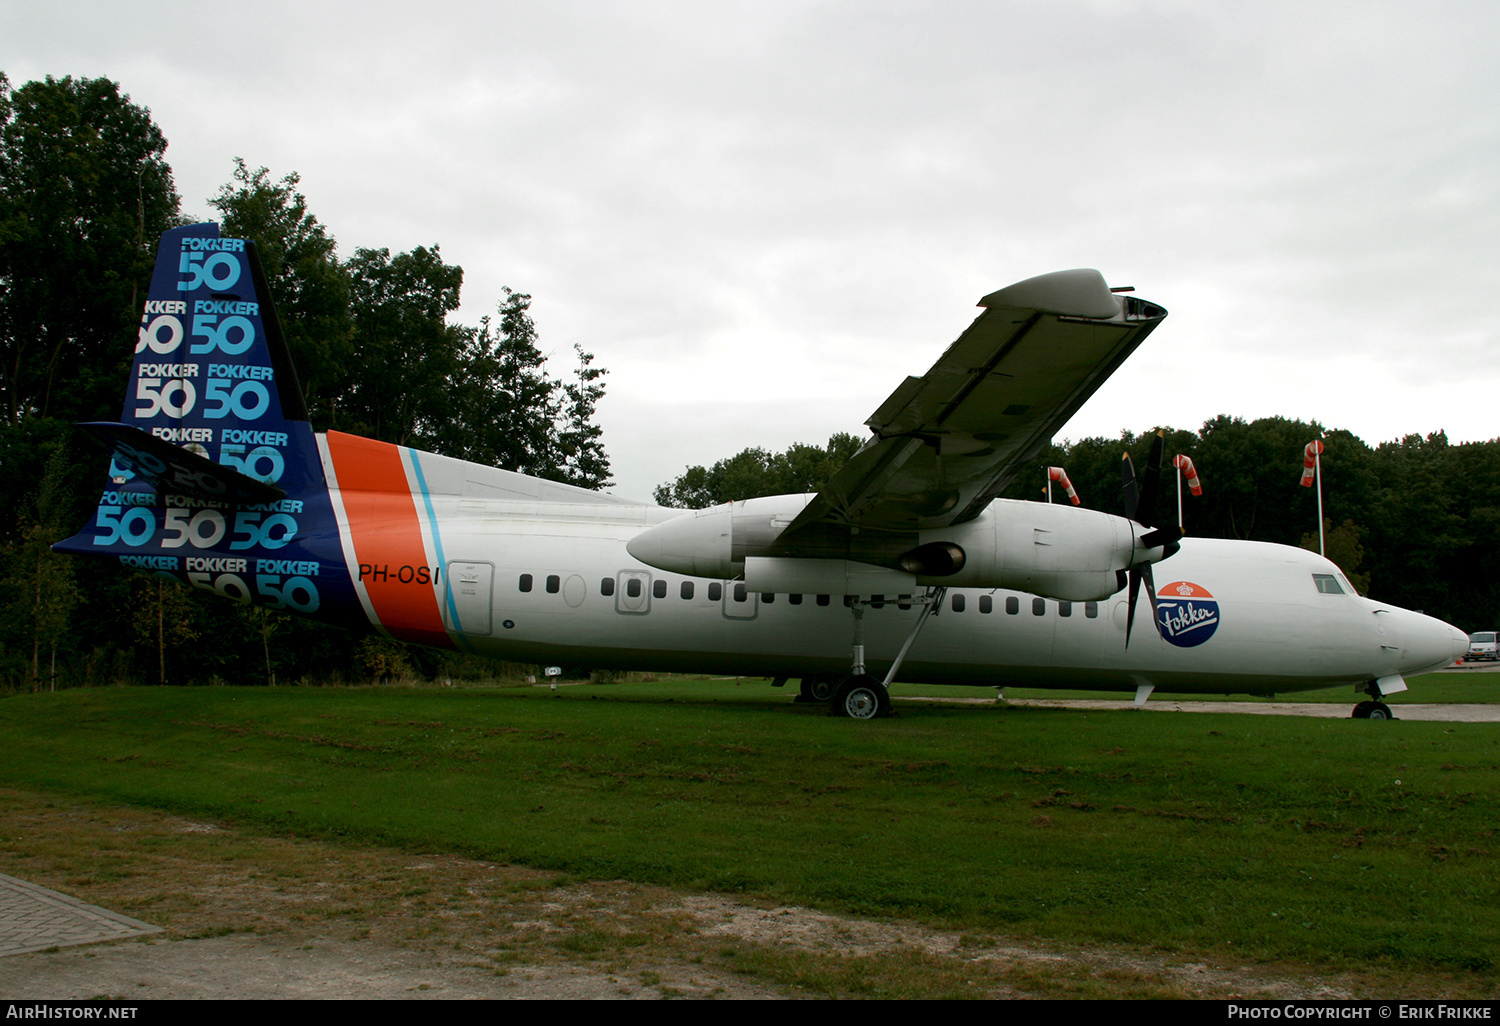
[907,562]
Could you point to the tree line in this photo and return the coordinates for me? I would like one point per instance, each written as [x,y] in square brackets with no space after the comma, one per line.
[85,193]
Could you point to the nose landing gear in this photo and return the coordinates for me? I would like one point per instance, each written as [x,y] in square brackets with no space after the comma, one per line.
[1374,709]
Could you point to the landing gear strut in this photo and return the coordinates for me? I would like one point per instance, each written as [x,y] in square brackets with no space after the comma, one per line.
[860,696]
[1374,709]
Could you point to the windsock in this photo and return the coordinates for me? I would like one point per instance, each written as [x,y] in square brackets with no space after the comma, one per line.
[1309,460]
[1185,464]
[1060,475]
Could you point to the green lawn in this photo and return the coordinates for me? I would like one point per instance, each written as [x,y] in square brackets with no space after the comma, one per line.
[1332,841]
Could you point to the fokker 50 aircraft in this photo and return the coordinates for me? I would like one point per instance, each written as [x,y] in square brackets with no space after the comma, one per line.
[907,562]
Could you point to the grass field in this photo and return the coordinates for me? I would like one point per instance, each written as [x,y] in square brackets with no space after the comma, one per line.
[1337,843]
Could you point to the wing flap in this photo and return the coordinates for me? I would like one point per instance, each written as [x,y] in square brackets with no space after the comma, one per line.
[949,442]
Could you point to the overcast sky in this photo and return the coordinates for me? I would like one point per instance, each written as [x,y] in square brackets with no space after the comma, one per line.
[761,216]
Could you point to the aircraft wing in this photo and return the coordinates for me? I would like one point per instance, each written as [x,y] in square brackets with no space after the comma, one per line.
[947,443]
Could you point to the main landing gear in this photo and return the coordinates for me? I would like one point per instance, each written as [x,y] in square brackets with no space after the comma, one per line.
[857,695]
[1374,709]
[860,697]
[818,688]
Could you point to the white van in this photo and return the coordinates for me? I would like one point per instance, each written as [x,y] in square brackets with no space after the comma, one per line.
[1483,646]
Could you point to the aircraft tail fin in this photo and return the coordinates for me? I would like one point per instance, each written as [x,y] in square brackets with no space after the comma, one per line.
[213,411]
[216,478]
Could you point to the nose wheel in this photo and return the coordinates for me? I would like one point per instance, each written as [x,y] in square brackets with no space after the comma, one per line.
[1374,709]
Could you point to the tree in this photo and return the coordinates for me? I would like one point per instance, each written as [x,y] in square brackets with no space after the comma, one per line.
[409,357]
[1342,547]
[84,194]
[581,441]
[309,286]
[41,590]
[754,472]
[504,403]
[507,411]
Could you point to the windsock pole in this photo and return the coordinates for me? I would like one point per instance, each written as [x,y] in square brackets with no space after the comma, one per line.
[1318,470]
[1312,475]
[1185,469]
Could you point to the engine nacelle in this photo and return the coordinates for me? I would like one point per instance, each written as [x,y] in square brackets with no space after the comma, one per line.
[714,542]
[1056,551]
[1059,552]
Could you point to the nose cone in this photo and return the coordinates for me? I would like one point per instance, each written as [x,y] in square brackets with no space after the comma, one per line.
[1430,644]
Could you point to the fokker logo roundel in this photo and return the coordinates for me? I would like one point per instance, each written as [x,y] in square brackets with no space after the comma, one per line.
[1187,613]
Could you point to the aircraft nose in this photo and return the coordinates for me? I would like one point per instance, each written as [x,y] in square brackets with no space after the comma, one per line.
[1432,644]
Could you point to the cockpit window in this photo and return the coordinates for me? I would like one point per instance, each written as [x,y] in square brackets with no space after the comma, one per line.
[1328,584]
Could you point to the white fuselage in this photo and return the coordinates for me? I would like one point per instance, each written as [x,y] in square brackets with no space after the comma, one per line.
[553,583]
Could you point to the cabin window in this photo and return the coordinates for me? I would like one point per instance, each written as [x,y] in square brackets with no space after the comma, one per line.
[958,603]
[1091,610]
[1038,607]
[525,582]
[795,600]
[607,587]
[659,589]
[715,591]
[633,587]
[1327,584]
[739,593]
[554,584]
[767,597]
[1065,609]
[903,601]
[823,600]
[986,603]
[1012,605]
[687,589]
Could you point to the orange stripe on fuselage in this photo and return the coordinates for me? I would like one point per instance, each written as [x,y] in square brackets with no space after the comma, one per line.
[387,538]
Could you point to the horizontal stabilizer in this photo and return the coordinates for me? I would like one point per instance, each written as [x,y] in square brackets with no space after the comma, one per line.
[173,469]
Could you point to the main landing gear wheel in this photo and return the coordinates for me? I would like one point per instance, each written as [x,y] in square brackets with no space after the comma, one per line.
[817,688]
[860,698]
[1372,711]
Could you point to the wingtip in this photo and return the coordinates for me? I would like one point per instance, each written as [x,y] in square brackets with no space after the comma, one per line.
[1080,292]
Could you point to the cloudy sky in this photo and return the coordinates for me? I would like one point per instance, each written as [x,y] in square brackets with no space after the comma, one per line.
[761,216]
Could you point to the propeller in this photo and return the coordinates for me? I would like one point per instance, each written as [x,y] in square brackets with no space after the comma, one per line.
[1140,506]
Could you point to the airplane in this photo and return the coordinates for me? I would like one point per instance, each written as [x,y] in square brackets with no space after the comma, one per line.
[906,563]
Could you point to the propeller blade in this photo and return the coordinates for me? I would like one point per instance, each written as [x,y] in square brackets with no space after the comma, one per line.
[1142,573]
[1128,490]
[1151,594]
[1161,536]
[1140,506]
[1145,514]
[1135,589]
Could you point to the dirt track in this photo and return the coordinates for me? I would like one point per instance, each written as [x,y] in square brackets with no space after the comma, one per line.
[251,916]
